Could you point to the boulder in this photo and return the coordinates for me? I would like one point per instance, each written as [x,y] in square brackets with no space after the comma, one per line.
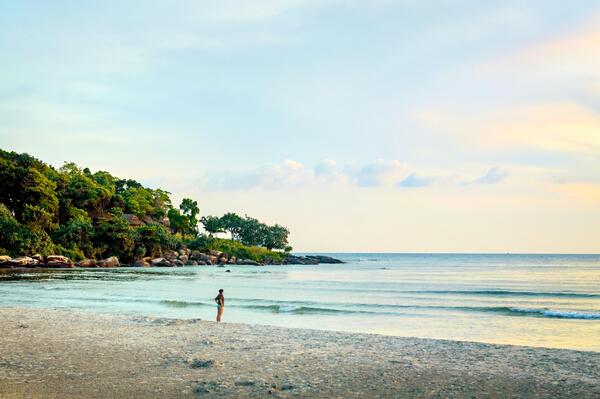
[113,261]
[59,264]
[184,258]
[170,255]
[200,263]
[232,260]
[211,260]
[215,253]
[20,261]
[38,257]
[248,262]
[177,262]
[192,263]
[324,259]
[86,263]
[57,258]
[141,263]
[160,262]
[4,261]
[199,256]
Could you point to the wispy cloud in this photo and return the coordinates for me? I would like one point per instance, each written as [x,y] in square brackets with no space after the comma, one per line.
[413,180]
[378,173]
[493,176]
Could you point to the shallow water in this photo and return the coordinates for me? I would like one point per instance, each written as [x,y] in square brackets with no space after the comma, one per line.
[537,300]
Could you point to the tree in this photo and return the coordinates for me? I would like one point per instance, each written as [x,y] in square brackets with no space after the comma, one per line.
[189,209]
[155,239]
[179,223]
[252,231]
[276,237]
[212,224]
[77,233]
[113,236]
[232,223]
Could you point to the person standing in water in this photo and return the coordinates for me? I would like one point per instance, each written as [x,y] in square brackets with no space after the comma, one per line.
[220,300]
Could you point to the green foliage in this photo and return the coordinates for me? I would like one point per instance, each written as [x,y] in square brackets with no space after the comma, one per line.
[212,224]
[77,234]
[178,222]
[80,214]
[189,209]
[155,239]
[237,249]
[249,231]
[114,237]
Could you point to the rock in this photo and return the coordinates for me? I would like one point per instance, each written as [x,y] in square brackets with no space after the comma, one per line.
[310,260]
[57,258]
[247,262]
[222,260]
[160,262]
[232,260]
[177,262]
[211,260]
[113,261]
[184,258]
[227,271]
[4,261]
[215,253]
[192,263]
[38,257]
[59,264]
[20,261]
[200,263]
[141,263]
[170,255]
[199,256]
[324,259]
[86,263]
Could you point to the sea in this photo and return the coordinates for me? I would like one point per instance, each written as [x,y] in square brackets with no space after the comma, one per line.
[536,300]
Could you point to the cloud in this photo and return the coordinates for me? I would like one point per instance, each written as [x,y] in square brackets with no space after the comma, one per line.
[284,175]
[378,173]
[413,180]
[291,174]
[493,176]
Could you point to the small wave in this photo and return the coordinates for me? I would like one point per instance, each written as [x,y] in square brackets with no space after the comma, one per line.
[561,314]
[291,309]
[508,293]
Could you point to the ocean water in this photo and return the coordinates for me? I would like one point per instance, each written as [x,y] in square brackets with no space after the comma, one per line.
[536,300]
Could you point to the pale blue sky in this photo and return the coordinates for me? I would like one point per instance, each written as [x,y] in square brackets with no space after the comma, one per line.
[363,126]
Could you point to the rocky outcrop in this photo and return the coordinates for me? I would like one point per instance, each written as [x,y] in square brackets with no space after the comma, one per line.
[141,263]
[160,262]
[4,261]
[57,258]
[23,261]
[86,263]
[249,262]
[59,264]
[113,261]
[310,260]
[183,257]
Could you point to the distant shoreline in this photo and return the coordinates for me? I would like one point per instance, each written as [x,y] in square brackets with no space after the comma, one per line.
[56,353]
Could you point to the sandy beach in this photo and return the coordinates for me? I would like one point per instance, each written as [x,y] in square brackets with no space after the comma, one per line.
[53,353]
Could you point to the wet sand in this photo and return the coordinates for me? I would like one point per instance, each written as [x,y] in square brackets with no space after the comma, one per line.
[53,353]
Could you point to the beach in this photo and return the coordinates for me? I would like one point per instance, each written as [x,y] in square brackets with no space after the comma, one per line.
[60,353]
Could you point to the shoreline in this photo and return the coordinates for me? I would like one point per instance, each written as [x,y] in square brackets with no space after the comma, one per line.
[54,353]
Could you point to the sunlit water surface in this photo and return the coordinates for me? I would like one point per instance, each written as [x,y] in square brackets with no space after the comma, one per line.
[537,300]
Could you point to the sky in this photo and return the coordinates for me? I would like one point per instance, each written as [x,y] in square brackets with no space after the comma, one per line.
[363,126]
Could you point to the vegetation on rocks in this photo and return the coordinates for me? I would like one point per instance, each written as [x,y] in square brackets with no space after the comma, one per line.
[73,212]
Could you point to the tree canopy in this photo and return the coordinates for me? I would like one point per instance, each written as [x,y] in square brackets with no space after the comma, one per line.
[75,212]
